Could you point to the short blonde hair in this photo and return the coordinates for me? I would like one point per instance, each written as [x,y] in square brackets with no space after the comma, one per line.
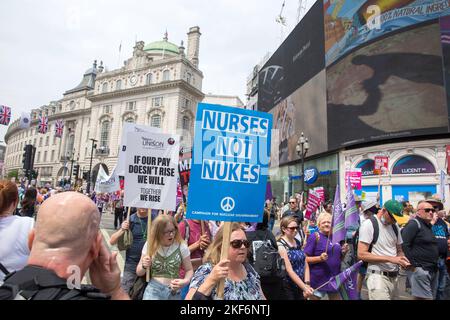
[323,216]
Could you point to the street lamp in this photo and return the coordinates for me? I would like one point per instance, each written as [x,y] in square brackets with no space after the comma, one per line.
[302,149]
[88,189]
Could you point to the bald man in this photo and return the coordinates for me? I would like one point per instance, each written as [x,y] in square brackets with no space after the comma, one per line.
[65,243]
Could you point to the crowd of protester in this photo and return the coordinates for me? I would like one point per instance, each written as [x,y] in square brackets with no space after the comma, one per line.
[43,230]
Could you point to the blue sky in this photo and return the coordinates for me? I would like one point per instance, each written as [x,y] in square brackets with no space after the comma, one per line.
[47,45]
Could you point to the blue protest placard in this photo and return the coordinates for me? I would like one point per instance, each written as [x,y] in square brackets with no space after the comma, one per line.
[230,164]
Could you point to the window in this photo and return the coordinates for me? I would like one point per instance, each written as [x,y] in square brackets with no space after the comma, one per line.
[131,106]
[106,109]
[40,142]
[118,84]
[70,143]
[45,156]
[105,87]
[38,157]
[157,102]
[53,155]
[104,134]
[185,123]
[187,103]
[188,77]
[72,105]
[129,120]
[166,75]
[156,121]
[47,140]
[148,79]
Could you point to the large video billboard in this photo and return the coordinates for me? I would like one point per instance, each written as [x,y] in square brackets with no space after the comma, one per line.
[391,88]
[352,23]
[299,58]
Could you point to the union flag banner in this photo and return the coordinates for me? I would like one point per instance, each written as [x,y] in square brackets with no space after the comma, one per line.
[59,127]
[43,124]
[5,115]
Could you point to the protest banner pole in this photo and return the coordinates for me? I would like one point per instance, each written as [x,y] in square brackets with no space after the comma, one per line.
[323,285]
[149,225]
[379,183]
[202,224]
[128,214]
[224,255]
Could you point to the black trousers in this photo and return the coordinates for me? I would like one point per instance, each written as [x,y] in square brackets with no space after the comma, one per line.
[118,217]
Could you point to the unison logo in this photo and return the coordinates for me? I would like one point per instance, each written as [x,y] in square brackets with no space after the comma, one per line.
[148,142]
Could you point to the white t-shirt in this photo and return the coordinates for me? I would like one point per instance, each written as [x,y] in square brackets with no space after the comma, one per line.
[167,251]
[386,244]
[14,249]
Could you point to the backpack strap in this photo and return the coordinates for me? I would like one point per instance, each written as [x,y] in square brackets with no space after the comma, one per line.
[3,269]
[418,223]
[376,232]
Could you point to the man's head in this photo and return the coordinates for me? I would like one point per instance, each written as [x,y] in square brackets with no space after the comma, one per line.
[329,207]
[293,204]
[390,209]
[66,234]
[425,210]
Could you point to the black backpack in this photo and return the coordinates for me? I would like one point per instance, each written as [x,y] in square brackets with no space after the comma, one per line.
[32,283]
[376,233]
[266,259]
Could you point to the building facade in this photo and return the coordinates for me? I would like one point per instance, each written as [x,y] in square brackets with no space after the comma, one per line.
[159,86]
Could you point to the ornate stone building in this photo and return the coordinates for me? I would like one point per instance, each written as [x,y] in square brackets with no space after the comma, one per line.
[159,86]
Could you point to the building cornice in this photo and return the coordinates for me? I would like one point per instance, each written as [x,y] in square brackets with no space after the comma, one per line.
[147,88]
[153,64]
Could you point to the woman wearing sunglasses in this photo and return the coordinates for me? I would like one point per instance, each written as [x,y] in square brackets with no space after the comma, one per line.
[324,258]
[241,280]
[296,285]
[167,253]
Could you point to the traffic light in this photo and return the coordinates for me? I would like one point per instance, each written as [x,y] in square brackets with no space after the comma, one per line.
[85,175]
[26,159]
[34,174]
[76,170]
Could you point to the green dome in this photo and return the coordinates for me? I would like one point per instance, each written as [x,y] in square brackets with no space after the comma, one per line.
[162,46]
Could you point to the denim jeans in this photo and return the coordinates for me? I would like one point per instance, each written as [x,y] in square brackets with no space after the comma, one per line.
[271,223]
[442,279]
[157,291]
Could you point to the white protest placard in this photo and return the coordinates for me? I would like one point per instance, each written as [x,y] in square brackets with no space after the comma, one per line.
[127,128]
[151,170]
[105,183]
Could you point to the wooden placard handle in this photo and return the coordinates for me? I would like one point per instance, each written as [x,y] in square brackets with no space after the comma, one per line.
[224,255]
[149,226]
[128,215]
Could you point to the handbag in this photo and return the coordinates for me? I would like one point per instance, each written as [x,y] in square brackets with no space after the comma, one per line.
[138,288]
[125,240]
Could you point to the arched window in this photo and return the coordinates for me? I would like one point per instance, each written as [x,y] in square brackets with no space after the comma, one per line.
[186,123]
[105,87]
[413,164]
[104,133]
[155,121]
[166,75]
[148,79]
[129,120]
[118,84]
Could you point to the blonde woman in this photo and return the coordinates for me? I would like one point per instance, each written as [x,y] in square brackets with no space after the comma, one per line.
[324,258]
[241,280]
[296,285]
[167,253]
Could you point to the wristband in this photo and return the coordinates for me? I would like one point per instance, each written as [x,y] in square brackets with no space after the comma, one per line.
[200,296]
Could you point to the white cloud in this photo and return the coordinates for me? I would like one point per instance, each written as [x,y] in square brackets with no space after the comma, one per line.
[47,45]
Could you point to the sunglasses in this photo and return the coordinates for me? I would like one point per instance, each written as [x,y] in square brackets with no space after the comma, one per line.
[428,210]
[293,228]
[236,244]
[294,202]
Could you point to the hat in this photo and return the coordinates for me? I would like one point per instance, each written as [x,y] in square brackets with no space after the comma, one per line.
[394,208]
[435,202]
[366,205]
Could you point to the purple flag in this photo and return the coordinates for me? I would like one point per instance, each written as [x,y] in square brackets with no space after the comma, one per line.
[351,211]
[346,282]
[338,231]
